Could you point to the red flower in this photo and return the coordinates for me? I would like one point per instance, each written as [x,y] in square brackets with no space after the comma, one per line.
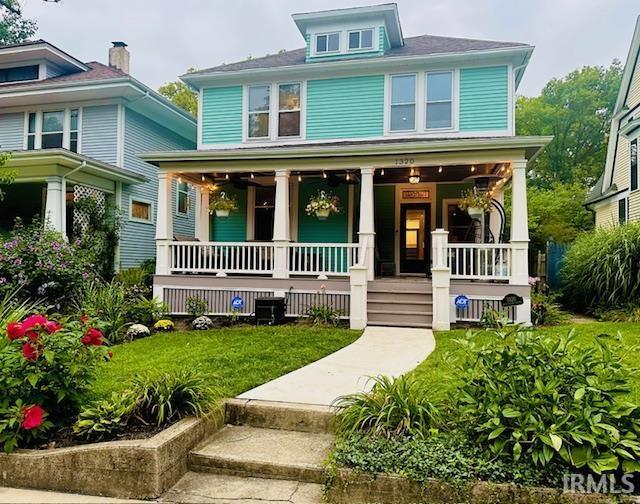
[32,417]
[84,319]
[52,326]
[92,336]
[34,321]
[29,352]
[32,335]
[15,331]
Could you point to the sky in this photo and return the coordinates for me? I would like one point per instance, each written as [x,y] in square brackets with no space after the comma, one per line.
[166,37]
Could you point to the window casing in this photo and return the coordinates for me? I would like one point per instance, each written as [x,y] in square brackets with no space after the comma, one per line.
[17,74]
[31,131]
[403,103]
[360,39]
[622,210]
[439,102]
[182,199]
[53,129]
[633,155]
[259,106]
[328,43]
[289,110]
[73,130]
[140,210]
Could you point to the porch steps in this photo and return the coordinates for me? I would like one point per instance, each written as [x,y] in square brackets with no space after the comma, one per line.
[400,303]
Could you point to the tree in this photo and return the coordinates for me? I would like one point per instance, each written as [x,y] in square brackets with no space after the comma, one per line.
[181,94]
[13,27]
[576,110]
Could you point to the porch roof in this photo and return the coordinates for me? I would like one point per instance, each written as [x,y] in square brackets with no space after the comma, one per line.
[379,152]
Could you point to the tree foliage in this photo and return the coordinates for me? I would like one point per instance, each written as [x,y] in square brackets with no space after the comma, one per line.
[576,110]
[14,28]
[181,94]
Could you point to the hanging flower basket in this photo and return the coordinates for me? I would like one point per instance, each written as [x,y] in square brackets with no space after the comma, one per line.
[323,204]
[475,203]
[475,212]
[222,205]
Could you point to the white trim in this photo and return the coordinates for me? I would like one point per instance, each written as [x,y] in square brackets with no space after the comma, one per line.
[120,135]
[146,201]
[118,204]
[351,212]
[294,197]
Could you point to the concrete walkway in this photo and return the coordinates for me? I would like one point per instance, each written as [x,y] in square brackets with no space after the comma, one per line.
[20,495]
[380,350]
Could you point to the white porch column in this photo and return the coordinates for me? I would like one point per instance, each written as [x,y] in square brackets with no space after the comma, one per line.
[367,233]
[202,213]
[164,223]
[281,225]
[55,208]
[520,236]
[441,281]
[358,278]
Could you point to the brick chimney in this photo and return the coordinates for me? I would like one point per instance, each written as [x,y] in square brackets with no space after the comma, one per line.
[119,56]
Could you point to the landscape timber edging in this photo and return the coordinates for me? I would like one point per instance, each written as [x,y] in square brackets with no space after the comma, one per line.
[134,469]
[350,487]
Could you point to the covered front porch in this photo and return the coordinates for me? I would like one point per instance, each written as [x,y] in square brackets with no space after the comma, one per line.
[399,216]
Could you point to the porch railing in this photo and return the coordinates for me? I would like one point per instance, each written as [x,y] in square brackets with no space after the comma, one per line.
[479,261]
[313,259]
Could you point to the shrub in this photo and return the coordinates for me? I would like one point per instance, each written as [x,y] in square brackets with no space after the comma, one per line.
[45,370]
[137,331]
[107,302]
[394,408]
[493,319]
[146,311]
[151,400]
[628,313]
[164,325]
[548,399]
[602,268]
[202,323]
[545,311]
[196,306]
[323,315]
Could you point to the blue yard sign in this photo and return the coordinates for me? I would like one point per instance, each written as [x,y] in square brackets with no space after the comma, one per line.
[237,303]
[461,302]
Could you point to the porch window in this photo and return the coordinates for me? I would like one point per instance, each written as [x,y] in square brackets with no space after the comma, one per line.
[140,211]
[622,210]
[259,103]
[633,154]
[183,198]
[52,130]
[289,110]
[328,42]
[73,131]
[439,100]
[31,132]
[265,205]
[403,103]
[360,39]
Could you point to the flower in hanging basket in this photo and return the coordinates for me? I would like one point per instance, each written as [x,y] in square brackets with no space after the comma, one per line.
[323,204]
[474,202]
[221,204]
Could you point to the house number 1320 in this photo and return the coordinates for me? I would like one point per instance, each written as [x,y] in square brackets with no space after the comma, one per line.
[404,161]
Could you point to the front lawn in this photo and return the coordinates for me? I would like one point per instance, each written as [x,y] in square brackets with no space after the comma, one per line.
[237,359]
[436,369]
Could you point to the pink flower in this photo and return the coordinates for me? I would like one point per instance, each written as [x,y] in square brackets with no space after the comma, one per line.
[92,337]
[52,326]
[34,322]
[29,352]
[14,331]
[32,417]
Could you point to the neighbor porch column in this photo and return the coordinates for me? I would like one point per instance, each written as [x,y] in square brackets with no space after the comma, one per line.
[55,208]
[367,232]
[202,213]
[281,225]
[164,223]
[520,236]
[440,281]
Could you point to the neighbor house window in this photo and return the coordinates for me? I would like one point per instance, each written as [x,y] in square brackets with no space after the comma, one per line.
[31,132]
[289,110]
[403,102]
[52,129]
[361,39]
[264,213]
[439,100]
[140,211]
[73,131]
[329,42]
[633,154]
[622,210]
[17,74]
[259,102]
[183,198]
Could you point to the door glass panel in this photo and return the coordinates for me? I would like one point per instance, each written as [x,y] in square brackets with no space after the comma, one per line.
[414,234]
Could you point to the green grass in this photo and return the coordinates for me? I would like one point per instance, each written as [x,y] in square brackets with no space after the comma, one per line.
[438,371]
[237,359]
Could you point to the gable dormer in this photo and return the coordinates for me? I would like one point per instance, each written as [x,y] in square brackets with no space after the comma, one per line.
[350,33]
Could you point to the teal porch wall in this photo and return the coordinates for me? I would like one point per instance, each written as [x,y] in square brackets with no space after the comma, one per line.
[385,216]
[484,99]
[447,191]
[222,115]
[333,230]
[346,107]
[234,227]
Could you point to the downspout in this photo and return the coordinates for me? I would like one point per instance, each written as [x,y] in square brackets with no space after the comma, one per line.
[63,188]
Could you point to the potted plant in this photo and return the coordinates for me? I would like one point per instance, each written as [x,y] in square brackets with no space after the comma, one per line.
[323,204]
[475,203]
[222,204]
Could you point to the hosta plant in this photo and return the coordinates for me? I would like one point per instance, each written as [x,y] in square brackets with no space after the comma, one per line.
[547,399]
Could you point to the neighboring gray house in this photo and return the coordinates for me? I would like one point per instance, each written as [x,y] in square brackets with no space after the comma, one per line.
[76,129]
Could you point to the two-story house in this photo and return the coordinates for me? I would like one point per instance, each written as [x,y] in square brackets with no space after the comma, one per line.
[397,128]
[616,196]
[76,129]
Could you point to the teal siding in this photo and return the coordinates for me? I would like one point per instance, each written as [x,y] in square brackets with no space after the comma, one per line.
[312,230]
[137,241]
[385,221]
[100,133]
[222,115]
[484,99]
[384,41]
[345,108]
[12,131]
[234,227]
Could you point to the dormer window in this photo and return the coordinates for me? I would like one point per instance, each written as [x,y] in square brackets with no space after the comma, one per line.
[17,74]
[328,42]
[361,39]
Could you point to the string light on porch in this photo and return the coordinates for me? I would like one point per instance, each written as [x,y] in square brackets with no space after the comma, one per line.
[252,175]
[202,177]
[226,176]
[299,178]
[473,168]
[439,169]
[324,174]
[348,176]
[382,172]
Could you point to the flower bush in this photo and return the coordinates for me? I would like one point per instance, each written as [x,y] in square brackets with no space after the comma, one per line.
[202,323]
[323,201]
[474,198]
[164,325]
[137,331]
[222,202]
[46,367]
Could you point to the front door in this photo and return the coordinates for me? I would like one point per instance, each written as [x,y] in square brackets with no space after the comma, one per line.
[415,221]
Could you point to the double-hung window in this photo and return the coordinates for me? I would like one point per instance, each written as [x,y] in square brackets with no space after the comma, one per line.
[361,39]
[403,103]
[289,110]
[633,154]
[183,198]
[53,130]
[439,100]
[31,132]
[73,131]
[328,42]
[259,104]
